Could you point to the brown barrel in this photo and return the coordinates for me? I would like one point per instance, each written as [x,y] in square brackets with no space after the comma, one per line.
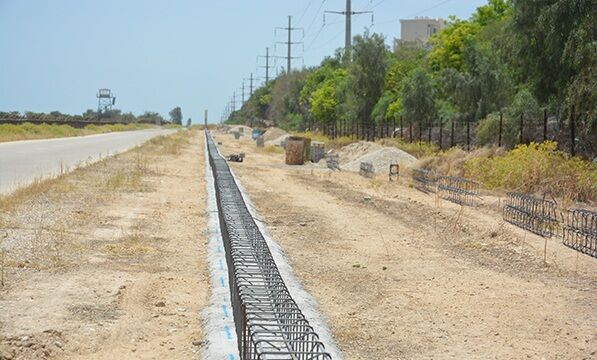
[295,150]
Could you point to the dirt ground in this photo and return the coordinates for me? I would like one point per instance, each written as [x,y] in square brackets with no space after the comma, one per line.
[401,275]
[109,262]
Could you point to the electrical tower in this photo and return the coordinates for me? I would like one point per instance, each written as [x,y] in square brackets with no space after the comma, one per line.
[348,13]
[105,100]
[289,43]
[267,66]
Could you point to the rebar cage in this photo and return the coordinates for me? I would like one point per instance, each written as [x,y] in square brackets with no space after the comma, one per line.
[269,323]
[530,213]
[457,190]
[423,180]
[580,231]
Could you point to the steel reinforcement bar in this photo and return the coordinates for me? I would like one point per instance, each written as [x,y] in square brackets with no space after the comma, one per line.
[580,231]
[423,180]
[458,190]
[269,323]
[530,213]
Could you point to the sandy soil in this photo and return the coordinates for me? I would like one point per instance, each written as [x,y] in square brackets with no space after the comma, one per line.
[109,261]
[402,275]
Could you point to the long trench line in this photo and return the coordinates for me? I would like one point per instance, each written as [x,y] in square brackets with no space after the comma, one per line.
[269,323]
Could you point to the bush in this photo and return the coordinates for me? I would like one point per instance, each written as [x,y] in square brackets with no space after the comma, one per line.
[537,168]
[419,149]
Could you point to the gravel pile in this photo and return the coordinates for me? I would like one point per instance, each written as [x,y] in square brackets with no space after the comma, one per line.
[273,133]
[246,131]
[381,160]
[354,151]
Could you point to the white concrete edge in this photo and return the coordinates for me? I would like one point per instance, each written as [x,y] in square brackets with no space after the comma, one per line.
[218,320]
[304,300]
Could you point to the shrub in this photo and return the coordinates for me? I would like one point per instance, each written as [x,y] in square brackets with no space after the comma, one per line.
[537,168]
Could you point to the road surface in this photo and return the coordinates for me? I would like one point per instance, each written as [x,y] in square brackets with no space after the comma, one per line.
[22,162]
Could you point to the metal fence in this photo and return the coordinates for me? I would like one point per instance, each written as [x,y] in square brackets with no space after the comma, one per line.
[530,213]
[580,231]
[269,323]
[458,190]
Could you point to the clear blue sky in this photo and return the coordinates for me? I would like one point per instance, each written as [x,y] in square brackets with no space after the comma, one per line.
[156,55]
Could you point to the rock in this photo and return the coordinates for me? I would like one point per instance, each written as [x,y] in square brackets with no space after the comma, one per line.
[303,224]
[160,303]
[58,344]
[366,197]
[198,342]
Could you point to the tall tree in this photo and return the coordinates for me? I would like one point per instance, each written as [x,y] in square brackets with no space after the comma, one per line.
[366,75]
[418,99]
[176,115]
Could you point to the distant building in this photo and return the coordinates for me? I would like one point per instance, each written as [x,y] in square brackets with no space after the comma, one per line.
[417,31]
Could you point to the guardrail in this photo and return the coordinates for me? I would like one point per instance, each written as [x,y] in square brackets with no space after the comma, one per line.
[536,215]
[269,323]
[580,231]
[458,190]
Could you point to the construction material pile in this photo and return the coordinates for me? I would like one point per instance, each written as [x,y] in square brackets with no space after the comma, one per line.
[351,157]
[275,136]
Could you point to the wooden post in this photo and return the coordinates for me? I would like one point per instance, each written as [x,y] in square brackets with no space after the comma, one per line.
[401,129]
[500,132]
[429,135]
[420,131]
[572,134]
[410,130]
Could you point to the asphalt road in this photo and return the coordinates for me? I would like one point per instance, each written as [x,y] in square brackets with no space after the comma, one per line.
[22,162]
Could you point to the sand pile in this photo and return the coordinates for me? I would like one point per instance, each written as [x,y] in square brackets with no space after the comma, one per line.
[273,133]
[275,136]
[354,151]
[381,157]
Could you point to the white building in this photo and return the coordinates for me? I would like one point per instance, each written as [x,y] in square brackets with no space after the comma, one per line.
[419,29]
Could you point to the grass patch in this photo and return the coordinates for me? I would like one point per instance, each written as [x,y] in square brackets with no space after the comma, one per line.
[271,149]
[169,144]
[133,244]
[29,131]
[329,143]
[418,149]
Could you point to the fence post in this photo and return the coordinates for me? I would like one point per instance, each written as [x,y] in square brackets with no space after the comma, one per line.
[401,129]
[544,125]
[521,127]
[410,130]
[572,134]
[452,134]
[420,131]
[441,130]
[468,135]
[500,132]
[429,134]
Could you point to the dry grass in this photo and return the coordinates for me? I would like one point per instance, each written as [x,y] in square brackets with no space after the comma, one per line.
[271,149]
[29,131]
[132,244]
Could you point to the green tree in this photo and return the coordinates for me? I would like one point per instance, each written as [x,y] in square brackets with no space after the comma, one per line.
[448,45]
[418,99]
[366,75]
[176,115]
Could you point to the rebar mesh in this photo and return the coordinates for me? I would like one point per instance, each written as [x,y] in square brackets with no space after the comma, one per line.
[458,190]
[530,213]
[423,180]
[366,169]
[269,323]
[580,231]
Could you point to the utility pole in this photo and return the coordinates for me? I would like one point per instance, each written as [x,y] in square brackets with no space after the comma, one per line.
[348,13]
[205,118]
[250,79]
[289,43]
[267,66]
[243,93]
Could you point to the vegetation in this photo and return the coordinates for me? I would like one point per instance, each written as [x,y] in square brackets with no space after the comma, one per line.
[176,116]
[28,131]
[515,58]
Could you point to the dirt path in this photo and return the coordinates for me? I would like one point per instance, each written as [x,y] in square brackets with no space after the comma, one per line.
[401,278]
[114,267]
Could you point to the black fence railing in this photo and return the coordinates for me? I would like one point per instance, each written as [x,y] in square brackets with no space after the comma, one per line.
[458,190]
[269,323]
[580,231]
[530,213]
